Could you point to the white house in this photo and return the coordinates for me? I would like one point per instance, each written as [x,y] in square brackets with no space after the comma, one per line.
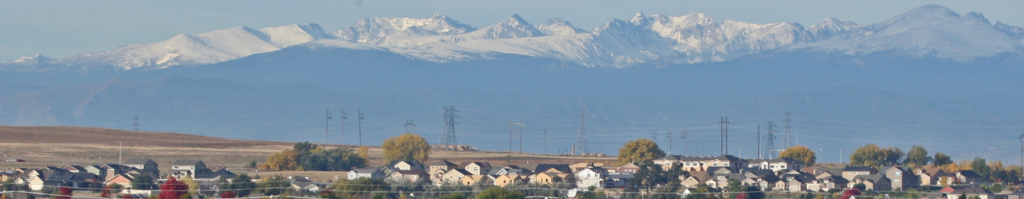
[369,172]
[591,177]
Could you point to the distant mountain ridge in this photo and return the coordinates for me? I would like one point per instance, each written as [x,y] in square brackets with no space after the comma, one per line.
[930,30]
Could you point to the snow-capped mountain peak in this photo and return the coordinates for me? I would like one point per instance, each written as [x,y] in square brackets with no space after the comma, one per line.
[833,28]
[377,30]
[557,26]
[512,27]
[38,58]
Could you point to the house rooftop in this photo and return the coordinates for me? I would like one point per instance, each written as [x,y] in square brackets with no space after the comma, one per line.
[186,162]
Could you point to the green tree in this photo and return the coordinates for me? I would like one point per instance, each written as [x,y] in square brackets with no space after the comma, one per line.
[892,156]
[336,159]
[499,193]
[453,196]
[361,187]
[979,166]
[304,146]
[241,185]
[364,152]
[406,147]
[942,159]
[272,186]
[918,156]
[801,153]
[639,150]
[287,160]
[867,155]
[143,182]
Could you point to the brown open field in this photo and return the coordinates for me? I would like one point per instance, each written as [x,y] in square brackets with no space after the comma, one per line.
[59,146]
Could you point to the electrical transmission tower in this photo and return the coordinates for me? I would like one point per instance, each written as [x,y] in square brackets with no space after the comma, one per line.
[327,125]
[1021,138]
[448,130]
[684,141]
[788,139]
[409,126]
[135,123]
[769,150]
[344,116]
[545,141]
[581,140]
[669,136]
[360,126]
[724,126]
[759,141]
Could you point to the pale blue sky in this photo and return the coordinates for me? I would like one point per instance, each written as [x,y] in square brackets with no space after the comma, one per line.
[61,28]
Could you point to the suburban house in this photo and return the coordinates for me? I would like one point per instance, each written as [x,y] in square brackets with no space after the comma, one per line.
[627,168]
[953,192]
[900,177]
[591,177]
[119,179]
[871,182]
[826,182]
[474,179]
[182,168]
[701,163]
[438,168]
[509,170]
[929,176]
[547,177]
[778,164]
[453,176]
[694,179]
[405,165]
[509,179]
[142,166]
[582,165]
[967,177]
[476,168]
[553,168]
[618,180]
[369,172]
[409,175]
[206,175]
[303,184]
[853,171]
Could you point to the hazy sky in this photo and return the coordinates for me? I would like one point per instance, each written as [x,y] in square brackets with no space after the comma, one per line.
[60,28]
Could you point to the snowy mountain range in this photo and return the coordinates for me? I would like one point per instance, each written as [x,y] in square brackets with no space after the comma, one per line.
[930,30]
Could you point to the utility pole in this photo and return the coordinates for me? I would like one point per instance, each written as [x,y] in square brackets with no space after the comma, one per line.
[724,126]
[758,141]
[344,116]
[135,123]
[360,126]
[510,138]
[327,125]
[581,140]
[119,153]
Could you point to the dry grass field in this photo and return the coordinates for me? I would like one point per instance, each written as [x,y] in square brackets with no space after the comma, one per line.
[59,146]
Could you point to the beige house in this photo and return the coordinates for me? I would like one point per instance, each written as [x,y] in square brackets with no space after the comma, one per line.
[476,168]
[473,179]
[505,180]
[871,182]
[701,163]
[453,176]
[853,171]
[546,178]
[929,176]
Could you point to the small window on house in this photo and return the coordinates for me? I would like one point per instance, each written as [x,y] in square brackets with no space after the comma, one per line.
[897,173]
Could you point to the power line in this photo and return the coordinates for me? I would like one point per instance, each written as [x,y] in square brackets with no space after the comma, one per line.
[344,116]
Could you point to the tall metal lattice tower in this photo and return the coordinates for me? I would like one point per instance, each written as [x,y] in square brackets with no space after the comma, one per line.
[788,138]
[135,123]
[327,126]
[724,125]
[769,148]
[448,130]
[581,140]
